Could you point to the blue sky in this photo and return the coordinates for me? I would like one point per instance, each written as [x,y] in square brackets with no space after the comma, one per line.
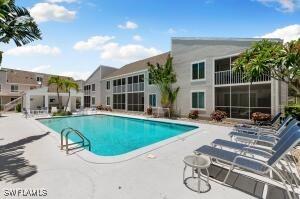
[79,35]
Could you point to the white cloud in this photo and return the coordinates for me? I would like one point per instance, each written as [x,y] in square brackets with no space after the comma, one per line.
[171,31]
[76,75]
[287,33]
[31,50]
[61,1]
[282,5]
[41,68]
[126,53]
[43,12]
[113,51]
[94,42]
[128,25]
[137,38]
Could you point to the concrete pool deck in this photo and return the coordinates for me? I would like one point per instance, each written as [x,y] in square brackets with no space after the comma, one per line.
[30,158]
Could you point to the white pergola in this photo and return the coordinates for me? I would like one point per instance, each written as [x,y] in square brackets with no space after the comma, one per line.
[40,98]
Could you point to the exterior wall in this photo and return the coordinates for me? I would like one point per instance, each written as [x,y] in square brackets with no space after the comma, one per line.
[96,78]
[148,89]
[184,53]
[25,81]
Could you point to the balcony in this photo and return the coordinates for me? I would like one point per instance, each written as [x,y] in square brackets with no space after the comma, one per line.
[87,92]
[119,89]
[230,77]
[135,87]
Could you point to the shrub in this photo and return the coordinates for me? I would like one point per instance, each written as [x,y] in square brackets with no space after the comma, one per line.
[293,110]
[218,115]
[258,116]
[18,108]
[194,114]
[99,108]
[62,113]
[149,111]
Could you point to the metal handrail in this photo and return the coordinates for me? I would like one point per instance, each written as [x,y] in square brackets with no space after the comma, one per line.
[70,130]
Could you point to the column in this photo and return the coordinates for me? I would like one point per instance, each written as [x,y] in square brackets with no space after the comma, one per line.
[47,102]
[82,101]
[27,102]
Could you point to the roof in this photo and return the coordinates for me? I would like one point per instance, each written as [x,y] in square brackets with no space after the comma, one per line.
[224,39]
[27,77]
[139,65]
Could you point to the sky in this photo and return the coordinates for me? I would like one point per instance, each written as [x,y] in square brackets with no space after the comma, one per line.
[80,35]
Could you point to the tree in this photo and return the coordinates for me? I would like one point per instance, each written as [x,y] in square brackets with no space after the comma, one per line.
[59,83]
[68,85]
[164,76]
[280,61]
[16,24]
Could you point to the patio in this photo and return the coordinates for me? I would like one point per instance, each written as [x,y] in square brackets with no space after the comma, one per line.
[31,159]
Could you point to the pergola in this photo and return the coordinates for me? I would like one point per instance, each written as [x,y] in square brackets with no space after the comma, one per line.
[40,98]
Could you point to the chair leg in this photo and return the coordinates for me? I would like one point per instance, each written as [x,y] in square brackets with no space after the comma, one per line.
[184,174]
[229,171]
[284,183]
[199,180]
[207,175]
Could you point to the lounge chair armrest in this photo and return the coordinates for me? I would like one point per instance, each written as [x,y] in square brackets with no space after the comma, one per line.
[248,158]
[263,153]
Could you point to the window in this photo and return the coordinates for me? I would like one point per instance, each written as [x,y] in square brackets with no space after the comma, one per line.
[52,100]
[198,100]
[107,101]
[135,101]
[119,101]
[107,85]
[93,87]
[152,100]
[87,101]
[150,79]
[93,100]
[14,88]
[198,71]
[39,79]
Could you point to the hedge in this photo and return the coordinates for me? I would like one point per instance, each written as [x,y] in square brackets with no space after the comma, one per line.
[293,110]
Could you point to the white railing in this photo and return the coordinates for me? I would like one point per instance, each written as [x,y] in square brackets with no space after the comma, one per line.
[230,77]
[87,92]
[135,87]
[13,103]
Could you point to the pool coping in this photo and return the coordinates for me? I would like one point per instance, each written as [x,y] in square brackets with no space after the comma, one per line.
[90,157]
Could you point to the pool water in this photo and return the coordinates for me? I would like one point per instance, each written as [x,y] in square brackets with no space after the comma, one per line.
[113,135]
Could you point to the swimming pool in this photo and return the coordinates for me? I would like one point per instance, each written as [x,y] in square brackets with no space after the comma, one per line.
[114,135]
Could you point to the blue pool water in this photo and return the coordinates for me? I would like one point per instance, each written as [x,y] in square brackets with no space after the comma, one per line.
[112,135]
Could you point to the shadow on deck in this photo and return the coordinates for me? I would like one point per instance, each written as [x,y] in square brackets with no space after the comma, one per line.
[246,184]
[13,167]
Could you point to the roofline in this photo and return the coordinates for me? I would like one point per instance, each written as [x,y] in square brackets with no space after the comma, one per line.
[5,69]
[97,69]
[224,38]
[125,74]
[109,77]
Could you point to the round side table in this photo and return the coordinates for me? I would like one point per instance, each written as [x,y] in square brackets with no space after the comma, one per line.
[197,162]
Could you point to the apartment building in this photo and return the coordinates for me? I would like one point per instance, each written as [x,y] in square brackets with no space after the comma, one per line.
[30,89]
[204,74]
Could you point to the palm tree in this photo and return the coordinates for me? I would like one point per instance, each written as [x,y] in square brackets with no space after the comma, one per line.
[70,84]
[59,83]
[16,24]
[164,76]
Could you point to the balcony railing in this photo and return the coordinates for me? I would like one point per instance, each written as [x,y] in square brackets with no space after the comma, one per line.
[119,89]
[87,92]
[230,77]
[135,87]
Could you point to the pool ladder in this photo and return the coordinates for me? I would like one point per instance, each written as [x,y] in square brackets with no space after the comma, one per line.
[64,140]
